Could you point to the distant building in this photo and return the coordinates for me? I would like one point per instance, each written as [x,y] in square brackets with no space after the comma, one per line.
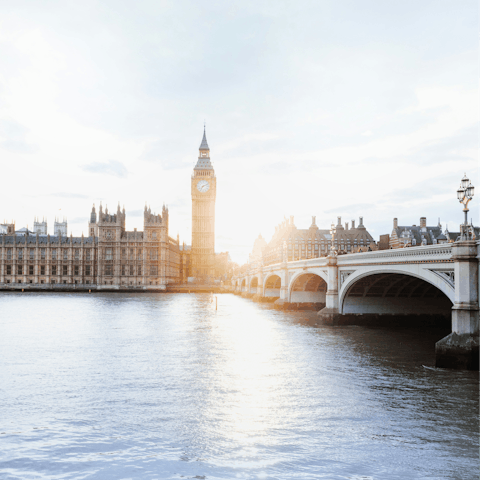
[454,236]
[222,262]
[222,265]
[7,228]
[60,228]
[185,262]
[415,235]
[314,242]
[259,247]
[384,242]
[40,227]
[24,231]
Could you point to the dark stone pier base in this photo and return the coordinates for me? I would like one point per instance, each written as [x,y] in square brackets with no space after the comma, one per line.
[457,351]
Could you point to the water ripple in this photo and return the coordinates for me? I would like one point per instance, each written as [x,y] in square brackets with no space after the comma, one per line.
[163,386]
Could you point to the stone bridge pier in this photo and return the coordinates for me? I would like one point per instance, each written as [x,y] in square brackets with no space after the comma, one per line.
[460,348]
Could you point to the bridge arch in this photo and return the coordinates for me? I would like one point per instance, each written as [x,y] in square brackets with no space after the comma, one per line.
[307,287]
[386,291]
[272,285]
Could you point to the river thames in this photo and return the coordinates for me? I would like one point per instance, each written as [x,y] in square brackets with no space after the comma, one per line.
[146,386]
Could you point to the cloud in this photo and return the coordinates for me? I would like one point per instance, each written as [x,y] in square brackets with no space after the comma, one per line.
[354,207]
[422,190]
[112,167]
[61,195]
[280,167]
[68,195]
[461,146]
[165,152]
[15,137]
[451,147]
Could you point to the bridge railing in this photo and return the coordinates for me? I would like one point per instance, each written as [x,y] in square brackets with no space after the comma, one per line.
[424,252]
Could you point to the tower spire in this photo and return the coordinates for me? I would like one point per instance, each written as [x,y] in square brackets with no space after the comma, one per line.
[204,154]
[204,144]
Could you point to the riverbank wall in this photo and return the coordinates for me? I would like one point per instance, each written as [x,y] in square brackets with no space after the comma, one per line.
[89,288]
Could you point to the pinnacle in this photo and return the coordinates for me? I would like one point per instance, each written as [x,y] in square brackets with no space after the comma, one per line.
[204,145]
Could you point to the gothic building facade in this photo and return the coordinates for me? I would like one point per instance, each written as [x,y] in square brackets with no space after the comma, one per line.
[311,242]
[110,257]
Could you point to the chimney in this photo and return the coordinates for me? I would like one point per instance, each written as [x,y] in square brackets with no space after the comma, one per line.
[395,223]
[353,223]
[423,222]
[360,222]
[339,221]
[346,225]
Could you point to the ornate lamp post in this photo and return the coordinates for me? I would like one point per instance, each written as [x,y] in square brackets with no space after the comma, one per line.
[464,195]
[332,233]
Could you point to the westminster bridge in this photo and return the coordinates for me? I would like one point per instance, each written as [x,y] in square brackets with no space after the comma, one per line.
[430,280]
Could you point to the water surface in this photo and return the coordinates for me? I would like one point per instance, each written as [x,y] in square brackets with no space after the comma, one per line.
[146,386]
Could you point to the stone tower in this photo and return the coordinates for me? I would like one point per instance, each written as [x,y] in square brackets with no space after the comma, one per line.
[204,188]
[60,228]
[92,224]
[40,227]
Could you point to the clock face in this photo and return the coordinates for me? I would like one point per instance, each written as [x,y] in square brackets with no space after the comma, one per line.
[203,186]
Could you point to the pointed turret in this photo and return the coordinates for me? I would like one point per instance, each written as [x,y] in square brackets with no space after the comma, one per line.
[204,144]
[93,215]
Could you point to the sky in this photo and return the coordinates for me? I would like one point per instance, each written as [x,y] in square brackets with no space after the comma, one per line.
[312,108]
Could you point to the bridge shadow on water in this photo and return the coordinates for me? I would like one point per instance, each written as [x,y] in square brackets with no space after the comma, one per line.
[391,339]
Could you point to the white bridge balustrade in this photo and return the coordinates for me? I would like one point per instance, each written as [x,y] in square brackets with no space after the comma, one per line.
[434,280]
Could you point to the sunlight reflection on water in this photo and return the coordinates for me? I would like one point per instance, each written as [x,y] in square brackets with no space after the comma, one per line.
[163,386]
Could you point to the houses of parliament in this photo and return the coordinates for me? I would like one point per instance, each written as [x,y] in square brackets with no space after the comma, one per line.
[112,257]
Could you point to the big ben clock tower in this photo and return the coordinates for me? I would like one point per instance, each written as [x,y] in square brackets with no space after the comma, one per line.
[204,188]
